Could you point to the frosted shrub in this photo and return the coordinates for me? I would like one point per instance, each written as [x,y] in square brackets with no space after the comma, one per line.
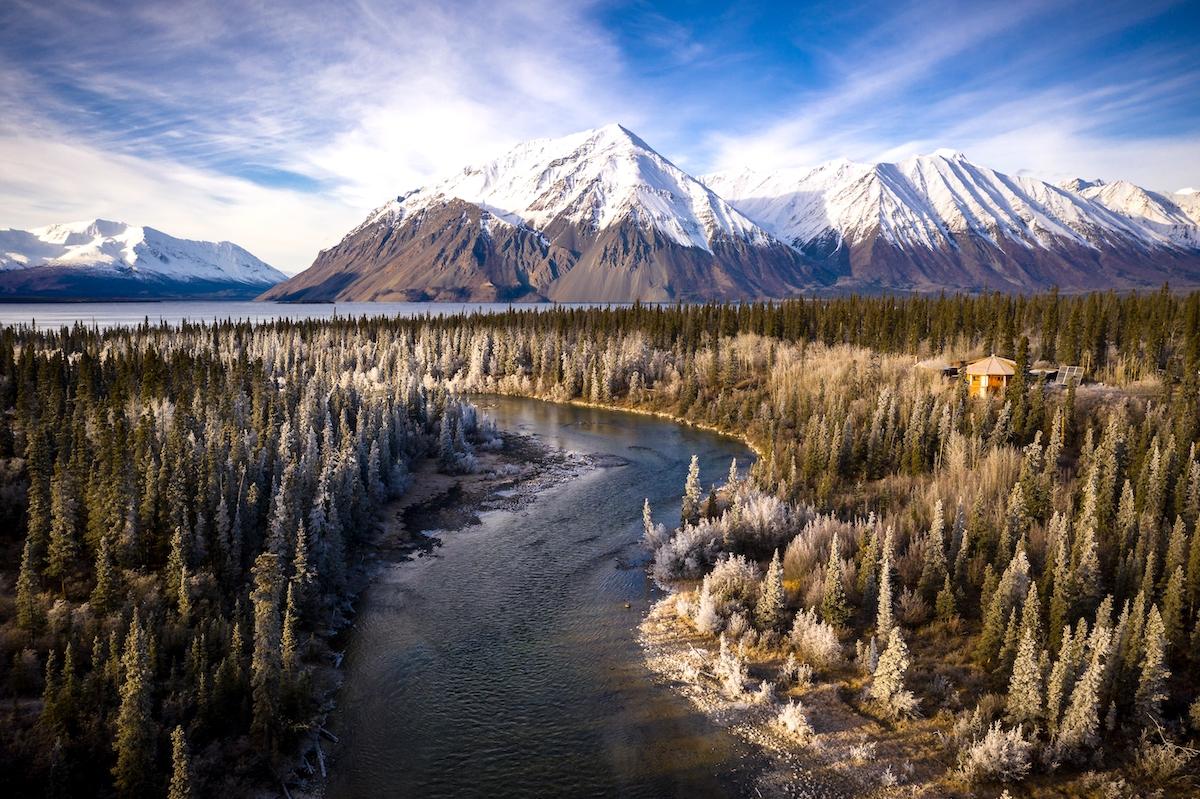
[815,641]
[735,579]
[685,607]
[787,672]
[862,753]
[809,549]
[761,522]
[1161,763]
[687,555]
[794,722]
[804,677]
[730,670]
[765,695]
[708,618]
[912,609]
[999,756]
[655,536]
[738,626]
[888,778]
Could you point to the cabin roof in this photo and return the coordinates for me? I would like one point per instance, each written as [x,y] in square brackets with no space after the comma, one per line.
[993,365]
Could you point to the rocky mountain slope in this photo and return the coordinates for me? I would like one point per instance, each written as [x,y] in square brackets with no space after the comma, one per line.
[100,259]
[939,221]
[595,216]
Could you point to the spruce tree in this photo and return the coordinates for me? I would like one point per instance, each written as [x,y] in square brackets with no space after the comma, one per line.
[933,569]
[690,510]
[265,663]
[64,520]
[945,605]
[770,610]
[29,609]
[1078,733]
[1152,683]
[1025,693]
[181,775]
[834,607]
[107,588]
[135,734]
[883,616]
[887,687]
[1173,609]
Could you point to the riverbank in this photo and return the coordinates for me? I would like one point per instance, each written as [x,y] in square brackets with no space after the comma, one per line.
[411,527]
[846,753]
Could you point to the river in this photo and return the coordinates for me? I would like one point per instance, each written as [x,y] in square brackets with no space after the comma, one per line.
[504,663]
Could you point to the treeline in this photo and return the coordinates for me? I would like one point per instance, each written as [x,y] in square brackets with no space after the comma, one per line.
[184,512]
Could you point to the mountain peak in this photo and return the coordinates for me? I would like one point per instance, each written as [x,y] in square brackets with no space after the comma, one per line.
[596,179]
[1078,185]
[947,153]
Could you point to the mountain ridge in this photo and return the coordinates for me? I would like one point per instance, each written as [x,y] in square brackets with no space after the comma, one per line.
[599,215]
[104,259]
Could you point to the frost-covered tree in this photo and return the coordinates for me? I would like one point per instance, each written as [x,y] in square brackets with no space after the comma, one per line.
[1152,683]
[834,607]
[690,510]
[1078,733]
[265,663]
[887,687]
[883,616]
[770,612]
[933,569]
[1026,697]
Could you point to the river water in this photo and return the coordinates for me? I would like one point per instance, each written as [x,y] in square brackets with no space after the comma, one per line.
[504,663]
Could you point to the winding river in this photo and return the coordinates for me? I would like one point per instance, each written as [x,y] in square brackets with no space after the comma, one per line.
[505,663]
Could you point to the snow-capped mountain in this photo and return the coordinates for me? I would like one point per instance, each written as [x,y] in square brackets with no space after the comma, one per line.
[597,215]
[1165,215]
[101,259]
[940,221]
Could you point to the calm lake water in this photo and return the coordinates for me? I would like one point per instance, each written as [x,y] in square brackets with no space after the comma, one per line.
[505,663]
[112,314]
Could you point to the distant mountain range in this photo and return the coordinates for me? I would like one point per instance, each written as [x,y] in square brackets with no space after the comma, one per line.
[939,221]
[103,260]
[601,216]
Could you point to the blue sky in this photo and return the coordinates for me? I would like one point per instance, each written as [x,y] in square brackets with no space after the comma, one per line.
[278,128]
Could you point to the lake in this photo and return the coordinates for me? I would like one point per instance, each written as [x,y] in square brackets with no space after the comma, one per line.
[113,314]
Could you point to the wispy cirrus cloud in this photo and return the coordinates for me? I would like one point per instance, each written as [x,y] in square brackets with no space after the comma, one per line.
[1051,88]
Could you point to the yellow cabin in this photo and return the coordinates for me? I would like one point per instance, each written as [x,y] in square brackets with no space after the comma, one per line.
[989,376]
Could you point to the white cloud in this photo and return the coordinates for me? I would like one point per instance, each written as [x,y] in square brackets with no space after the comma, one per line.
[368,103]
[49,180]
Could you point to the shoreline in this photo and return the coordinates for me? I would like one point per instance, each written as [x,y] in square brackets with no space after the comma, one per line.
[839,760]
[670,417]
